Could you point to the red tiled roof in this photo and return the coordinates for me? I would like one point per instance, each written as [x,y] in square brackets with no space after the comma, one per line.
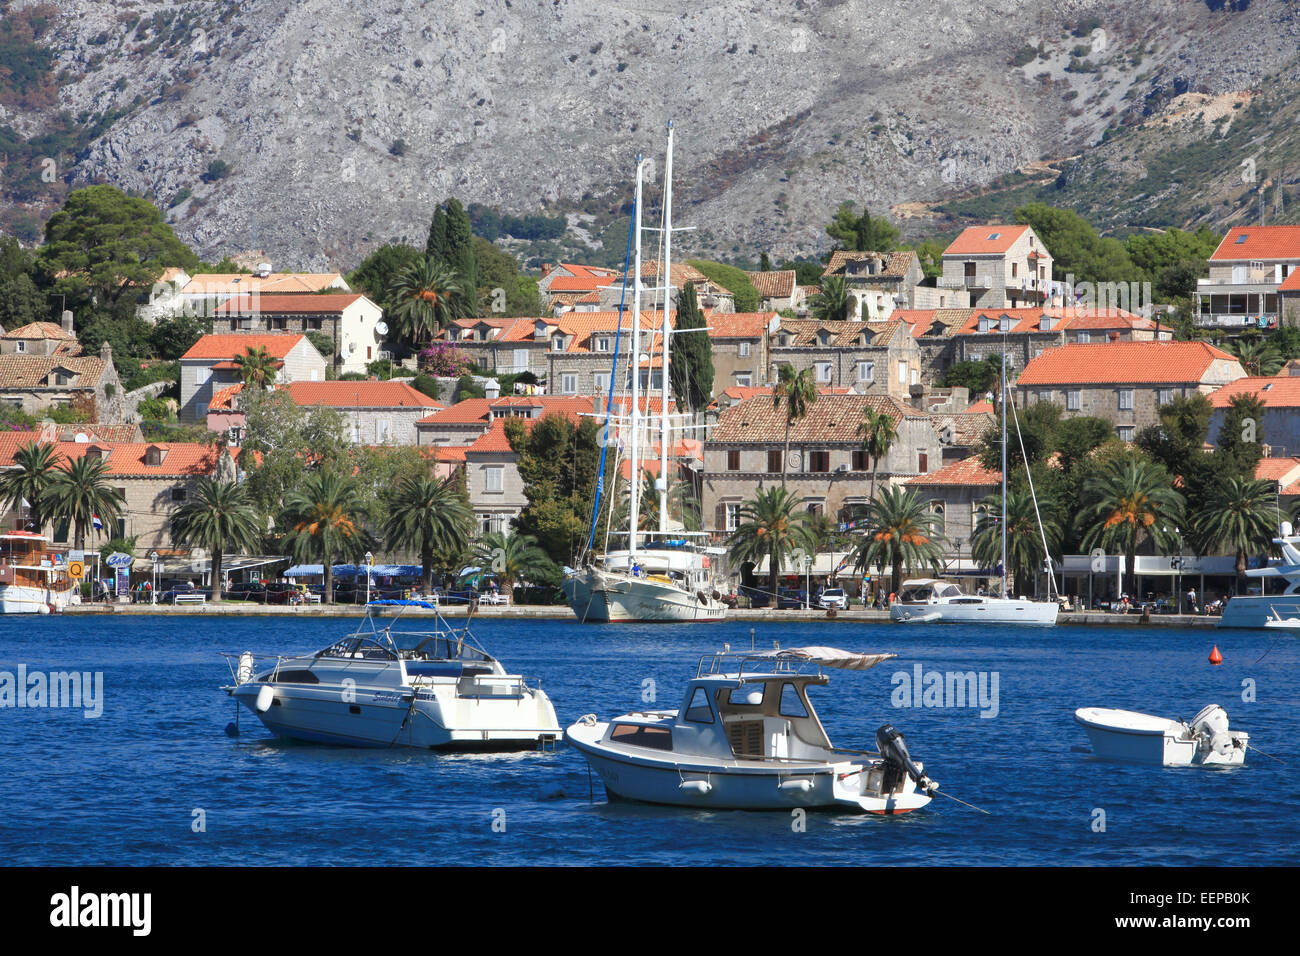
[983,406]
[127,459]
[1277,391]
[40,330]
[1122,363]
[986,240]
[1291,283]
[295,304]
[448,453]
[1259,242]
[494,439]
[968,471]
[738,325]
[895,264]
[351,394]
[1276,469]
[238,343]
[774,285]
[479,410]
[830,419]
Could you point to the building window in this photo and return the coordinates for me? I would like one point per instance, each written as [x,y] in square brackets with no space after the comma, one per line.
[494,479]
[1125,432]
[602,383]
[731,515]
[819,461]
[940,515]
[569,383]
[823,370]
[202,376]
[20,346]
[733,460]
[1083,338]
[1126,399]
[861,460]
[902,373]
[1164,396]
[602,343]
[557,343]
[178,494]
[866,371]
[744,350]
[923,463]
[814,506]
[744,379]
[774,461]
[383,431]
[1072,400]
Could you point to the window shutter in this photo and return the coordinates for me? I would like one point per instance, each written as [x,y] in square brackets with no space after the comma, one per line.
[720,517]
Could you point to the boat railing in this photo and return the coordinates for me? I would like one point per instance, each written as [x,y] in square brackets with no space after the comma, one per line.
[254,664]
[727,663]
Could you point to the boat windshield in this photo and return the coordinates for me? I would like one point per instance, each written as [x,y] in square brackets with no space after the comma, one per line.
[359,647]
[435,646]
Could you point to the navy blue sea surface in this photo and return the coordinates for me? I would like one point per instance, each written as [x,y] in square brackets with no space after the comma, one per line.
[123,789]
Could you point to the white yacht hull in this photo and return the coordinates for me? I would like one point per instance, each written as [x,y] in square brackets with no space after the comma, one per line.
[22,599]
[1280,611]
[680,780]
[603,597]
[983,611]
[440,720]
[1141,738]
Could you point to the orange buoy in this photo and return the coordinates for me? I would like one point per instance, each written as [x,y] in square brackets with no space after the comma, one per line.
[1215,656]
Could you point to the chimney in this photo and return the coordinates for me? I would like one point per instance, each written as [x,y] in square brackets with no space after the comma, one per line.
[106,352]
[492,388]
[546,269]
[67,321]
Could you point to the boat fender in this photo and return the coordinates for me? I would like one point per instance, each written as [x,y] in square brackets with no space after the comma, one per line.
[244,672]
[717,595]
[893,747]
[704,598]
[695,786]
[264,698]
[803,786]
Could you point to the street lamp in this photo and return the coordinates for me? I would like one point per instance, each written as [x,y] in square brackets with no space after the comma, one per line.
[370,560]
[807,581]
[153,564]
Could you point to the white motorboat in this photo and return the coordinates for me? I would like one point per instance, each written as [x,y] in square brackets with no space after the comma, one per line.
[747,737]
[667,579]
[378,687]
[1274,611]
[926,600]
[1142,738]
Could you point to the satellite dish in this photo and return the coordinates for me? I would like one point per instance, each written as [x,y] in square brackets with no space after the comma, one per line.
[381,328]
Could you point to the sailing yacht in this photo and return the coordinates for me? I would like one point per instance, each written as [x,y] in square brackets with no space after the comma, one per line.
[665,577]
[926,600]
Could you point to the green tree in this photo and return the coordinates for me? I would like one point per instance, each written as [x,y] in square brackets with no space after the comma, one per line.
[103,243]
[218,516]
[878,433]
[1076,247]
[1131,502]
[459,254]
[1240,518]
[79,492]
[799,392]
[435,247]
[691,366]
[734,280]
[979,376]
[558,464]
[321,521]
[832,301]
[901,533]
[771,525]
[375,276]
[862,233]
[425,296]
[514,558]
[35,469]
[431,517]
[1025,553]
[1258,356]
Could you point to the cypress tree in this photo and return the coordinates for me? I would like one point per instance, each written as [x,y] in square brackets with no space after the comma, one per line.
[690,368]
[459,252]
[436,246]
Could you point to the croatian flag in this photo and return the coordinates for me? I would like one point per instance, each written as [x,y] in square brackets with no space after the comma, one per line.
[99,525]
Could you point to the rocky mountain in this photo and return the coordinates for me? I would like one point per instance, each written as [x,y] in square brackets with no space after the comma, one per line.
[317,130]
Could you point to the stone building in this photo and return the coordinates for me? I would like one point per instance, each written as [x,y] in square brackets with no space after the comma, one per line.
[209,365]
[350,321]
[999,267]
[876,358]
[62,378]
[878,282]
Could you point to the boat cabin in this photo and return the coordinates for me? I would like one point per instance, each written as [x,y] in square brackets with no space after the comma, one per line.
[931,591]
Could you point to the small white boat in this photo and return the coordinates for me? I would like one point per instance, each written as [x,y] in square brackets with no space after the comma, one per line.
[747,737]
[1143,738]
[1274,611]
[926,600]
[431,689]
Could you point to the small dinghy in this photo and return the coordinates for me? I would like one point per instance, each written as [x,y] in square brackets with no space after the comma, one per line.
[1143,738]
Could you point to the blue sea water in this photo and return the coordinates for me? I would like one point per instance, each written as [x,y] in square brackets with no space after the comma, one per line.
[124,788]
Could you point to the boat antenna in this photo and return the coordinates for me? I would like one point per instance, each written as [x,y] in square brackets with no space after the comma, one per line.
[1033,495]
[661,481]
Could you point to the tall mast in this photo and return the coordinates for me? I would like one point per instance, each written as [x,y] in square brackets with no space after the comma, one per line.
[661,483]
[1004,462]
[635,360]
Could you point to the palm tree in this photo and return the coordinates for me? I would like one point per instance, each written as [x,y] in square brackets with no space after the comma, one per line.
[878,433]
[79,493]
[322,519]
[1132,501]
[426,295]
[1257,356]
[901,532]
[513,557]
[1024,542]
[431,517]
[217,515]
[832,301]
[36,467]
[1240,516]
[769,527]
[256,367]
[800,392]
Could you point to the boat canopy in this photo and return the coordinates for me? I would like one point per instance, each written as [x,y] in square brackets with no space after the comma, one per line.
[829,657]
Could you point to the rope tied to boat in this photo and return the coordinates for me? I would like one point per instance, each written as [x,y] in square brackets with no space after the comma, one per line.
[588,720]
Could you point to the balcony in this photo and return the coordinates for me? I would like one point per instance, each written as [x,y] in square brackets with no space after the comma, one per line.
[1224,320]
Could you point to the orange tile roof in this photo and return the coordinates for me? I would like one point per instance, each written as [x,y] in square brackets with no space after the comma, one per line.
[448,453]
[223,400]
[127,459]
[479,410]
[1276,469]
[40,330]
[352,394]
[1291,283]
[830,419]
[774,285]
[984,240]
[1277,391]
[983,406]
[896,264]
[739,325]
[1123,363]
[967,472]
[231,283]
[292,304]
[494,440]
[1258,242]
[238,343]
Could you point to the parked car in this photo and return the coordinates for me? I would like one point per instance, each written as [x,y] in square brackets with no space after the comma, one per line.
[174,589]
[245,591]
[789,599]
[833,598]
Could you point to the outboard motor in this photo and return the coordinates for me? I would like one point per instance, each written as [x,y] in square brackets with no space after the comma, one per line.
[1210,728]
[899,762]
